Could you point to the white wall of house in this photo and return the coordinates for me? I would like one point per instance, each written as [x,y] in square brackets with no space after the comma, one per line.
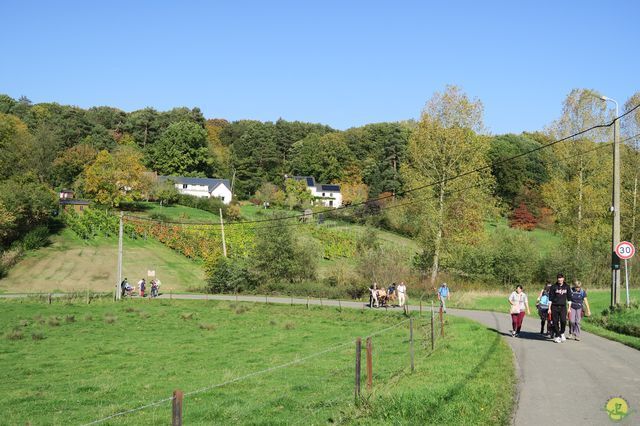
[221,191]
[326,198]
[195,190]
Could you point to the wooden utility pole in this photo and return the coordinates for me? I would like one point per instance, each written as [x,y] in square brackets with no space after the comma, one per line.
[118,294]
[224,243]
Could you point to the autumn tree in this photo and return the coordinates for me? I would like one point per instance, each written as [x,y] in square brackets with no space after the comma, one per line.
[444,145]
[116,178]
[579,189]
[630,161]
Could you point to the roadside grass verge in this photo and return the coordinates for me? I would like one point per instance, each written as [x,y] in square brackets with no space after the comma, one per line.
[110,358]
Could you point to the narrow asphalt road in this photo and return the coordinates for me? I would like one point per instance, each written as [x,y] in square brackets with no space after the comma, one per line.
[559,383]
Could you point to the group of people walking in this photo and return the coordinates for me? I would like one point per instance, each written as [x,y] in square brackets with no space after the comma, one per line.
[384,296]
[128,290]
[556,304]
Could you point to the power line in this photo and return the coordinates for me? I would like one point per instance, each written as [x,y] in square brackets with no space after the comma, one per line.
[302,216]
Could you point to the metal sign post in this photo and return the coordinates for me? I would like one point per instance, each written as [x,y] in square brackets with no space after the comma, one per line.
[625,250]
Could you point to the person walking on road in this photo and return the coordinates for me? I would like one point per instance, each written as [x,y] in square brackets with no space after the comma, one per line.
[443,296]
[577,302]
[402,293]
[543,309]
[519,302]
[559,296]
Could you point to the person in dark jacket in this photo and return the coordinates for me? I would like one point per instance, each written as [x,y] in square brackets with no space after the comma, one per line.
[558,297]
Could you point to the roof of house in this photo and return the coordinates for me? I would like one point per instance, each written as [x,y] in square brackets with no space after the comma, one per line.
[211,183]
[309,180]
[311,183]
[333,188]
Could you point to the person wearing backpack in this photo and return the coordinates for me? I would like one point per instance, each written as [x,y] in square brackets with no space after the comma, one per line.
[519,302]
[543,309]
[577,302]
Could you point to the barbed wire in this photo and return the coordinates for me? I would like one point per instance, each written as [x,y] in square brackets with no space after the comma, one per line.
[407,191]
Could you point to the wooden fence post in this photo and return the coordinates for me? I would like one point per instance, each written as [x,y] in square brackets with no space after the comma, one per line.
[321,302]
[266,299]
[307,301]
[433,336]
[176,417]
[441,323]
[411,343]
[369,364]
[358,356]
[339,305]
[88,300]
[49,298]
[291,300]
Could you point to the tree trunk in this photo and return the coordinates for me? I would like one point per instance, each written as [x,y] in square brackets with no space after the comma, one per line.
[579,233]
[438,240]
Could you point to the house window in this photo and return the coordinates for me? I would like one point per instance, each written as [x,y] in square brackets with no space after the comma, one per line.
[323,194]
[221,198]
[330,203]
[81,208]
[331,194]
[184,186]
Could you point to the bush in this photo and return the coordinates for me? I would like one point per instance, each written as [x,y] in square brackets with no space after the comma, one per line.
[227,276]
[36,238]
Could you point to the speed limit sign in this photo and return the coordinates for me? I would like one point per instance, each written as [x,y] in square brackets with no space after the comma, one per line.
[625,250]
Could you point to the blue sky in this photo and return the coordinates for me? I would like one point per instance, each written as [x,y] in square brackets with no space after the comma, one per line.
[342,63]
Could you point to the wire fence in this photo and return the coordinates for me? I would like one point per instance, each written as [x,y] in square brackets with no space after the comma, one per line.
[306,389]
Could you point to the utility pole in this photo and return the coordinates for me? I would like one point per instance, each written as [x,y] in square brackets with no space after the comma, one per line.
[224,243]
[615,208]
[118,289]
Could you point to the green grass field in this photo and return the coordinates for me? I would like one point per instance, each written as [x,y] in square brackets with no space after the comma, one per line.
[77,363]
[598,301]
[177,212]
[71,263]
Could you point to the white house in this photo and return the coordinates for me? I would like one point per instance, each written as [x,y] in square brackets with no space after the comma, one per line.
[328,195]
[201,187]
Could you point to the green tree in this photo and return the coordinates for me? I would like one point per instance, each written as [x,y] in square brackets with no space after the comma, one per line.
[296,194]
[69,165]
[26,203]
[280,256]
[513,176]
[15,141]
[630,162]
[182,150]
[445,145]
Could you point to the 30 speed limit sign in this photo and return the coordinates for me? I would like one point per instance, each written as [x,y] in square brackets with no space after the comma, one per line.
[625,250]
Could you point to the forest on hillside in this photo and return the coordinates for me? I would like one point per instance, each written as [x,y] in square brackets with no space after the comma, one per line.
[437,180]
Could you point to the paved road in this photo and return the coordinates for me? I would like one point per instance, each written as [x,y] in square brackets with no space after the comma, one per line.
[567,383]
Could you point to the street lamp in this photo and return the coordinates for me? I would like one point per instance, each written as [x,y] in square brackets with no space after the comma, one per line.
[615,208]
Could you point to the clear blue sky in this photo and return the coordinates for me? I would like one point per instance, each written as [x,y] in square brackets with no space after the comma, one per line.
[342,63]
